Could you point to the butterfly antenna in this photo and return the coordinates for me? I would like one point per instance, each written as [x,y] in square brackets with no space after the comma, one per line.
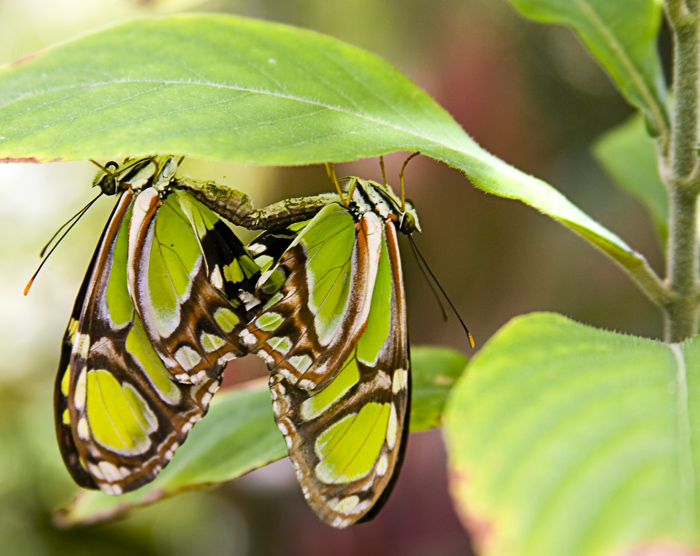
[70,223]
[424,268]
[76,216]
[427,277]
[381,165]
[104,169]
[330,170]
[403,190]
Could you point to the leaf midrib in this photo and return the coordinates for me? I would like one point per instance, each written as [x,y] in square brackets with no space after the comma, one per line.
[635,75]
[250,90]
[686,464]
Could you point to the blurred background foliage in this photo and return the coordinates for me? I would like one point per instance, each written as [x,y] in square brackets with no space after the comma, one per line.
[529,93]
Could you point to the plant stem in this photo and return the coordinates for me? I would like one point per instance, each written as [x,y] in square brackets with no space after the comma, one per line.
[682,312]
[681,175]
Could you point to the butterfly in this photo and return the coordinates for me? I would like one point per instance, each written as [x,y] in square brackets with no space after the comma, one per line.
[155,321]
[334,334]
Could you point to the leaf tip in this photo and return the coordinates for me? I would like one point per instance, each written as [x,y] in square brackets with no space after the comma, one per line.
[73,515]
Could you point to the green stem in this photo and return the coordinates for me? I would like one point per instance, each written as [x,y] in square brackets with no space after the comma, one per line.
[682,312]
[681,174]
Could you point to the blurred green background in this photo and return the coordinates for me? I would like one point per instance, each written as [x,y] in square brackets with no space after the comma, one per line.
[529,93]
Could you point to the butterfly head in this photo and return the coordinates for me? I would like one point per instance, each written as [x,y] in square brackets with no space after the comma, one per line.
[106,177]
[370,195]
[135,173]
[408,221]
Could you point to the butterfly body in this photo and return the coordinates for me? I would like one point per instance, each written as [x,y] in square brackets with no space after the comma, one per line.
[336,340]
[154,323]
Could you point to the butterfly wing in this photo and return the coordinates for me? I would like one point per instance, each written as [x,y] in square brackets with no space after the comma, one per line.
[344,415]
[347,439]
[120,414]
[310,325]
[186,269]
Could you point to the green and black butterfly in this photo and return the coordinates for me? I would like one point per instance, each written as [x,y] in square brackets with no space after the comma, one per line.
[334,334]
[156,319]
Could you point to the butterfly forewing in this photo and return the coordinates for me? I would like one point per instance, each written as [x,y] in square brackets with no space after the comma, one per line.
[120,413]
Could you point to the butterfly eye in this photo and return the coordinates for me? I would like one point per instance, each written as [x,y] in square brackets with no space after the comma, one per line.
[108,184]
[408,225]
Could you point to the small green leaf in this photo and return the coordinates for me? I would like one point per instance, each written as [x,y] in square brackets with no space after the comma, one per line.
[239,435]
[430,389]
[566,439]
[622,36]
[628,154]
[237,89]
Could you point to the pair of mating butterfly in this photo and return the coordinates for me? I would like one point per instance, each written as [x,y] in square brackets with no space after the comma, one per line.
[171,295]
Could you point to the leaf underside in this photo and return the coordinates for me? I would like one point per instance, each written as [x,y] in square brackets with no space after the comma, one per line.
[267,94]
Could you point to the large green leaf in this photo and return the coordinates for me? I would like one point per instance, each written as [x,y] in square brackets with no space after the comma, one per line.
[237,89]
[566,439]
[239,435]
[628,154]
[622,35]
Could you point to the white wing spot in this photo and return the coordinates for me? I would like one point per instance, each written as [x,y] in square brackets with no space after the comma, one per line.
[114,490]
[110,471]
[80,394]
[400,380]
[225,358]
[187,357]
[83,429]
[392,428]
[247,338]
[81,345]
[347,504]
[216,279]
[95,472]
[382,465]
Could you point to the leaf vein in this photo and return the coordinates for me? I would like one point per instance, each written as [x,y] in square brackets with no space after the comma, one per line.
[686,465]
